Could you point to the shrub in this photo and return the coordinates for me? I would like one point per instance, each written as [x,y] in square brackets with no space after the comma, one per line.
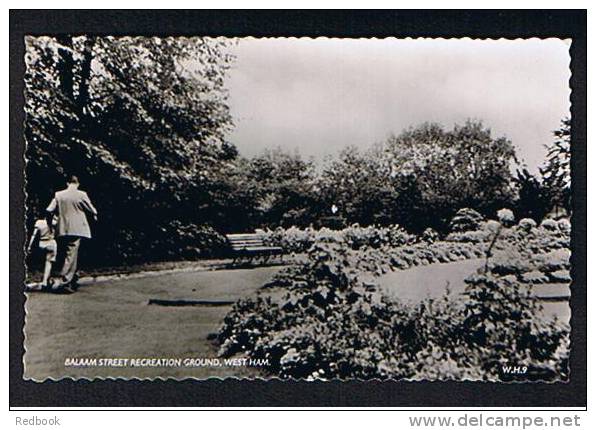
[526,224]
[430,235]
[491,226]
[479,236]
[360,333]
[509,262]
[560,276]
[328,323]
[294,239]
[549,224]
[553,261]
[564,225]
[506,217]
[501,320]
[465,219]
[543,240]
[173,241]
[534,277]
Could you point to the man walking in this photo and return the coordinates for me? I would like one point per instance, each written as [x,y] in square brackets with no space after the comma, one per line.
[72,207]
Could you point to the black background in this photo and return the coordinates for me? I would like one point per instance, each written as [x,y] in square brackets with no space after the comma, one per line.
[276,393]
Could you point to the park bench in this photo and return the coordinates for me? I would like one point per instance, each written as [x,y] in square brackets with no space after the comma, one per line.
[251,245]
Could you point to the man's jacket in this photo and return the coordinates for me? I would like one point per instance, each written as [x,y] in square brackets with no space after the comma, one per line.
[72,206]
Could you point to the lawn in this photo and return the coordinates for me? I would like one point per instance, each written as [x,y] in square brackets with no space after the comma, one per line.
[113,319]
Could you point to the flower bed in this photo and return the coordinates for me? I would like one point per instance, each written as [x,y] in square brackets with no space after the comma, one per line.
[529,253]
[324,320]
[298,240]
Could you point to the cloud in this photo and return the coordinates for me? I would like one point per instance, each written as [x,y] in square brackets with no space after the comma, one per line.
[320,95]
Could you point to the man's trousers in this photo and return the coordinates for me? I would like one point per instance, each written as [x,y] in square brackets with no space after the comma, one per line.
[71,249]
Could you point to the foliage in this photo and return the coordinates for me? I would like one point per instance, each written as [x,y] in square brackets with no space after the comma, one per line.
[419,178]
[478,236]
[355,237]
[458,168]
[557,169]
[527,224]
[282,189]
[149,117]
[430,235]
[146,115]
[550,235]
[327,323]
[533,198]
[465,219]
[505,217]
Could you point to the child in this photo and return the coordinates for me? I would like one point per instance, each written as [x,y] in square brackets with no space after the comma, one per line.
[44,228]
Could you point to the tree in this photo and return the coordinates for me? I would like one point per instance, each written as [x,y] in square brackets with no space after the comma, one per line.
[141,120]
[281,185]
[356,184]
[556,171]
[533,199]
[450,169]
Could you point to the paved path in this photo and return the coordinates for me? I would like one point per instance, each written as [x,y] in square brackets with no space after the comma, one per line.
[420,282]
[113,319]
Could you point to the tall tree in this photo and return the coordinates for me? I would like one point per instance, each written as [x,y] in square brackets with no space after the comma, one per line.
[533,198]
[449,169]
[282,187]
[141,120]
[556,171]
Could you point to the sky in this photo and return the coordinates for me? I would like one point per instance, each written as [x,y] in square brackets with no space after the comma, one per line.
[319,95]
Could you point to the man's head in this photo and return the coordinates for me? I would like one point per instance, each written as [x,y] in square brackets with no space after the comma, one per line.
[73,181]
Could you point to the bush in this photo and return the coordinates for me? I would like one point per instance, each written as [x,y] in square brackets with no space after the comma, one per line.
[328,333]
[526,224]
[465,219]
[549,224]
[174,241]
[491,226]
[509,262]
[298,240]
[564,225]
[188,241]
[328,323]
[292,239]
[430,235]
[479,236]
[553,261]
[506,217]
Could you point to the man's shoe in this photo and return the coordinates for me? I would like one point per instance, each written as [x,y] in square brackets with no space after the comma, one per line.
[34,288]
[68,290]
[49,286]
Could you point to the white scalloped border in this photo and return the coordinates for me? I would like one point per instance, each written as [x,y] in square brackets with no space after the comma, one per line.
[567,41]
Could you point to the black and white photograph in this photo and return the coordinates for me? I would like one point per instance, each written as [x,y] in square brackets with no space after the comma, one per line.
[311,209]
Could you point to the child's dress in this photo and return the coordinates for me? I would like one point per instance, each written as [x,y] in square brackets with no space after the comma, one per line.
[46,240]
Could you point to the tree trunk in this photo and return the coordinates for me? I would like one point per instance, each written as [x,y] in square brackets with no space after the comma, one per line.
[83,95]
[66,66]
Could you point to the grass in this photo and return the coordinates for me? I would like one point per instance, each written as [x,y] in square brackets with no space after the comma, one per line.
[34,273]
[114,320]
